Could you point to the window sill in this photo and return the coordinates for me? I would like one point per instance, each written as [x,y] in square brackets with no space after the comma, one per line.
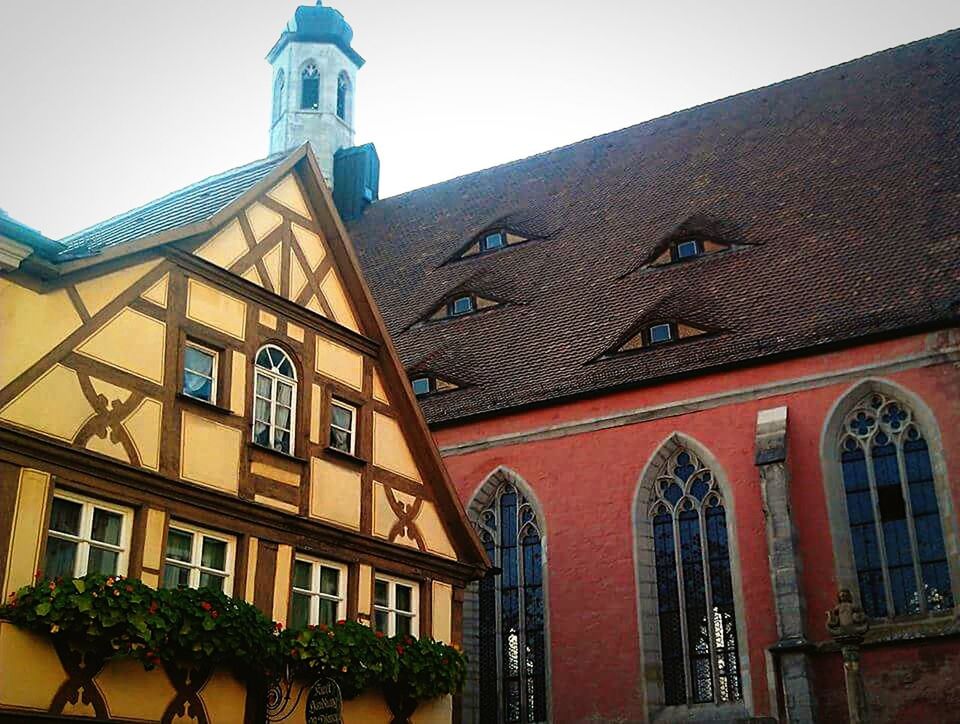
[348,457]
[203,404]
[277,453]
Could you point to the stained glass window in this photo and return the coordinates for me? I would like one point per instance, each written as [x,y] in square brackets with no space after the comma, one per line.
[695,605]
[512,660]
[892,509]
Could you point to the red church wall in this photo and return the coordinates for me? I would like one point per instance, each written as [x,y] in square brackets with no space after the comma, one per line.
[586,485]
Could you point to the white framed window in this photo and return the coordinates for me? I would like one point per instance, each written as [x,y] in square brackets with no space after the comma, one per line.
[87,536]
[492,241]
[396,606]
[421,385]
[275,399]
[198,558]
[661,333]
[460,305]
[319,592]
[343,426]
[200,372]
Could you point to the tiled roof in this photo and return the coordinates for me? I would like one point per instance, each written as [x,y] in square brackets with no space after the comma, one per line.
[842,185]
[194,203]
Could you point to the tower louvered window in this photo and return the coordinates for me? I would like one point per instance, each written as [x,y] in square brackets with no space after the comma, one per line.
[695,604]
[343,95]
[277,96]
[310,87]
[892,510]
[512,659]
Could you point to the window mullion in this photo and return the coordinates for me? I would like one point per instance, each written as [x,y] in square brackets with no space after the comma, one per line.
[708,594]
[498,593]
[911,533]
[273,412]
[682,602]
[86,533]
[878,525]
[522,620]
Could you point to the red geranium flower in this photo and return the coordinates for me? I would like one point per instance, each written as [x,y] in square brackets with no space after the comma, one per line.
[205,606]
[379,634]
[400,649]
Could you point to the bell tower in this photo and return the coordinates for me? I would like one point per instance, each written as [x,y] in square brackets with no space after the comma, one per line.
[314,84]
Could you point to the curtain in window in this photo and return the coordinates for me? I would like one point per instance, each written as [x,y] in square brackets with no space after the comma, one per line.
[895,529]
[512,659]
[695,605]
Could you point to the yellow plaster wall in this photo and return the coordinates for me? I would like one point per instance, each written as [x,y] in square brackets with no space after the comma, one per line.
[434,535]
[383,515]
[98,292]
[442,611]
[295,332]
[336,361]
[132,342]
[31,325]
[316,398]
[54,404]
[271,261]
[262,220]
[210,453]
[274,503]
[226,247]
[105,446]
[314,306]
[298,278]
[153,539]
[224,698]
[288,193]
[252,275]
[281,583]
[334,493]
[253,545]
[337,299]
[267,319]
[311,244]
[238,382]
[365,590]
[143,426]
[379,391]
[215,309]
[158,292]
[390,448]
[27,686]
[274,473]
[133,693]
[29,528]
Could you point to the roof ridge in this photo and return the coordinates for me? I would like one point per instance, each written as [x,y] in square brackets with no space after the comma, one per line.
[66,240]
[671,114]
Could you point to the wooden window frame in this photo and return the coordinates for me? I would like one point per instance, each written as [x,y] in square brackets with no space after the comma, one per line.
[84,540]
[194,565]
[275,377]
[314,594]
[451,305]
[431,386]
[390,609]
[484,249]
[648,333]
[352,430]
[217,353]
[675,255]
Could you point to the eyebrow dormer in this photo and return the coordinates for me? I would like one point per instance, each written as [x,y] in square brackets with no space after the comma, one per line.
[426,383]
[461,304]
[490,240]
[690,247]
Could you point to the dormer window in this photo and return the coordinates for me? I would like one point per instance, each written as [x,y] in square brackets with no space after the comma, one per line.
[428,384]
[659,333]
[687,249]
[493,241]
[460,305]
[656,334]
[490,240]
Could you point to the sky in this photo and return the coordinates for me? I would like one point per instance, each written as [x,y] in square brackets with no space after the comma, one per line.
[107,104]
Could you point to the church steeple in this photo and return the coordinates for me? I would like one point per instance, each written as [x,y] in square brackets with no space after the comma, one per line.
[314,82]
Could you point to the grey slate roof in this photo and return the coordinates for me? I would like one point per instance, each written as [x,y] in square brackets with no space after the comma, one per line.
[194,203]
[843,187]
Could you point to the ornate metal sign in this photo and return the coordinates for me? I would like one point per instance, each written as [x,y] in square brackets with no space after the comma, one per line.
[324,703]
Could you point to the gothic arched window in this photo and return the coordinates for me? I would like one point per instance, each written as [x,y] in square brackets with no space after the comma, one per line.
[310,87]
[512,651]
[277,96]
[275,399]
[695,602]
[895,525]
[343,95]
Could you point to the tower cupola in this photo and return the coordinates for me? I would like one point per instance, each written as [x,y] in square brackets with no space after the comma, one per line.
[314,84]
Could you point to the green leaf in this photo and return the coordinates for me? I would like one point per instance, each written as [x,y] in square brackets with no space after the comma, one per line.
[42,609]
[80,585]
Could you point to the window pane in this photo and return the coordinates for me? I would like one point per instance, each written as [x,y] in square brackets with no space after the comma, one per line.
[214,554]
[197,386]
[341,417]
[65,516]
[404,598]
[329,581]
[380,619]
[102,561]
[263,359]
[106,526]
[285,368]
[302,571]
[262,410]
[380,595]
[687,249]
[282,417]
[404,625]
[281,440]
[340,439]
[462,305]
[493,241]
[299,611]
[209,580]
[179,545]
[175,576]
[284,393]
[660,333]
[264,386]
[261,434]
[421,385]
[198,361]
[328,611]
[61,557]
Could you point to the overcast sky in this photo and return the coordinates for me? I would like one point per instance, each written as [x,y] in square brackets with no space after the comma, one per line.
[106,104]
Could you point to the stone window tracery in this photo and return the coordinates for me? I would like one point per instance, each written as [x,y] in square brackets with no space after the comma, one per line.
[893,515]
[512,650]
[695,602]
